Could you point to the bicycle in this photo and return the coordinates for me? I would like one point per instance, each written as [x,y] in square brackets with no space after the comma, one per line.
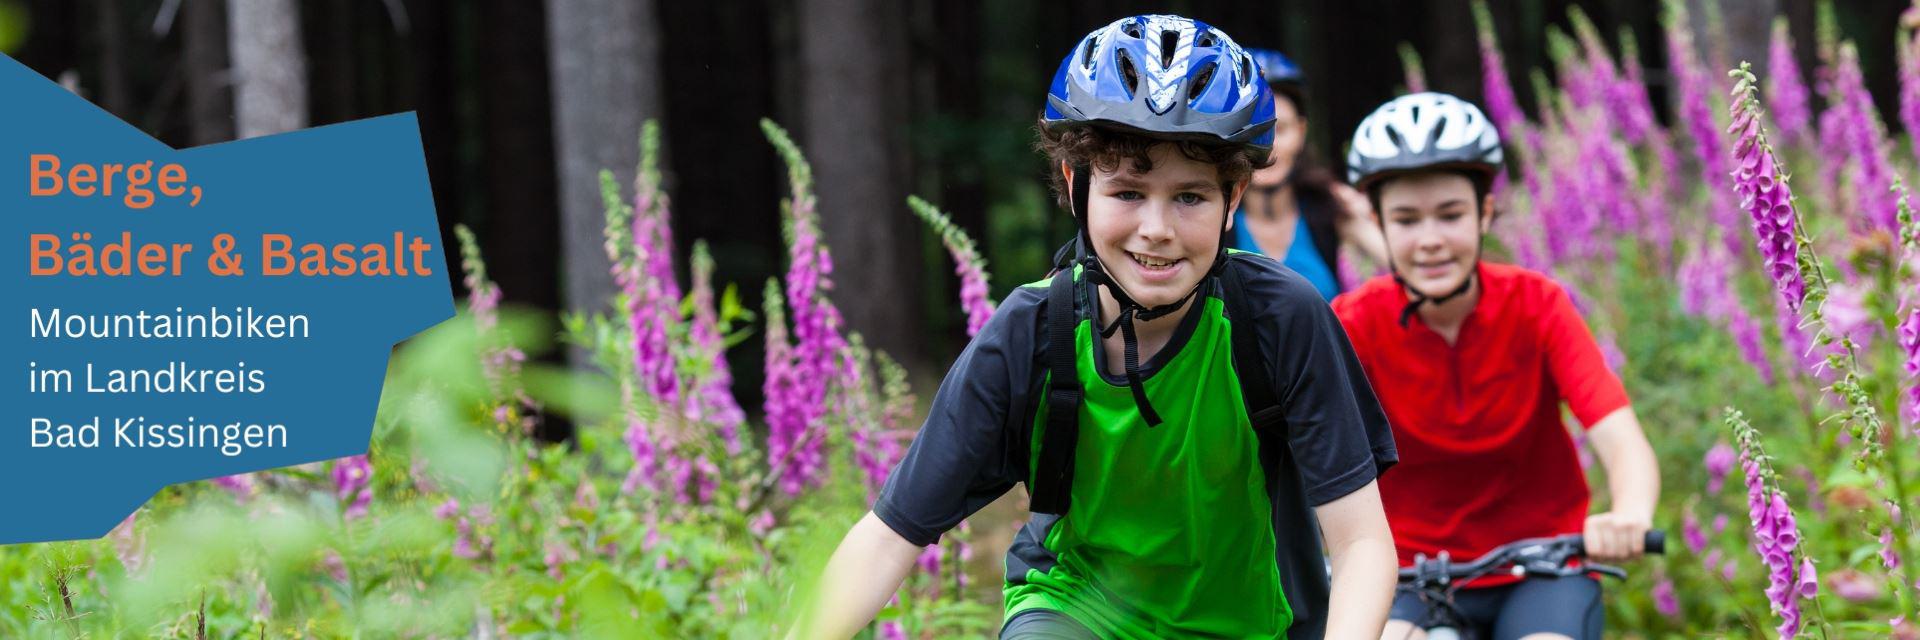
[1437,580]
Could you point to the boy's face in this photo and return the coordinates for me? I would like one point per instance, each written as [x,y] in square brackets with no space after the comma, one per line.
[1432,228]
[1157,232]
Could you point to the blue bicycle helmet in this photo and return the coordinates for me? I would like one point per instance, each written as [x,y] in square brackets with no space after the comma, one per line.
[1166,76]
[1276,68]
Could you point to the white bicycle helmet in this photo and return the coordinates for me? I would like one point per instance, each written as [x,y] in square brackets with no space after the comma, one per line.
[1422,131]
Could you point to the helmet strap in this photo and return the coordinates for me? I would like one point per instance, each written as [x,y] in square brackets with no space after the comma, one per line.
[1130,310]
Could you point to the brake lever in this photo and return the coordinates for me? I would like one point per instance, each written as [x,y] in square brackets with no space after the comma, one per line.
[1605,569]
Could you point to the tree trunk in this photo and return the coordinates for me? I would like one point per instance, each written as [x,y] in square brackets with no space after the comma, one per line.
[606,67]
[516,125]
[852,53]
[269,67]
[203,35]
[114,95]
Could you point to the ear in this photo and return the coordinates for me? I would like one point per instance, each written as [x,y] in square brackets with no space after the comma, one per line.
[1486,220]
[1067,172]
[1233,199]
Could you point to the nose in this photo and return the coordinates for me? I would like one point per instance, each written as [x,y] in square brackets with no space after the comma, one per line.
[1156,223]
[1427,237]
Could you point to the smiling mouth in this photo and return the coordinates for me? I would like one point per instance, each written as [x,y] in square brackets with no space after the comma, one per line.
[1151,263]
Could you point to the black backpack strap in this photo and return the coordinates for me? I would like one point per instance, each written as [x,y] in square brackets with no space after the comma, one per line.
[1052,483]
[1263,409]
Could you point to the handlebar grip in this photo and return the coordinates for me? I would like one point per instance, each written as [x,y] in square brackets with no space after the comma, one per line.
[1656,542]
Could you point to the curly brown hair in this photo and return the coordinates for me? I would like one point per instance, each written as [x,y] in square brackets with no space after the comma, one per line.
[1103,148]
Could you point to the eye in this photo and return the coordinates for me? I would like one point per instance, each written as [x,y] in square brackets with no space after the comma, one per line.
[1189,198]
[1128,196]
[1452,216]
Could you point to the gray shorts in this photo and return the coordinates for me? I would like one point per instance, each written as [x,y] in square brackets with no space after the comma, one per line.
[1567,606]
[1045,624]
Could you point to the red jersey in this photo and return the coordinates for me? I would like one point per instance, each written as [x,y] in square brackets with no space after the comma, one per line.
[1484,456]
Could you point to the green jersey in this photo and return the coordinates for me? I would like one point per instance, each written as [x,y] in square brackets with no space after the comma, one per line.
[1200,526]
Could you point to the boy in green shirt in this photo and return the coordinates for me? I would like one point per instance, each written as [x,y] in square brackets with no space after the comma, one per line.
[1183,415]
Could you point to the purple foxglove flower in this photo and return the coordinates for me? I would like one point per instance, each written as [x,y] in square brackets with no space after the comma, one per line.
[129,544]
[1889,557]
[1847,312]
[1664,599]
[1767,199]
[1697,115]
[1909,338]
[1786,93]
[1854,586]
[645,460]
[1712,561]
[713,401]
[1910,86]
[352,484]
[334,566]
[1852,137]
[240,485]
[891,630]
[558,554]
[1719,462]
[1809,584]
[1501,105]
[1696,539]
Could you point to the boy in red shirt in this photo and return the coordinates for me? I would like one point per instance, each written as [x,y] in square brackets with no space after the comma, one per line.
[1471,362]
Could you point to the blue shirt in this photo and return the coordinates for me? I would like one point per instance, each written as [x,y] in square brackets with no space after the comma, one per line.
[1302,257]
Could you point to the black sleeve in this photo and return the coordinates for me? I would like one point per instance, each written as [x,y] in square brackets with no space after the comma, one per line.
[973,447]
[1338,433]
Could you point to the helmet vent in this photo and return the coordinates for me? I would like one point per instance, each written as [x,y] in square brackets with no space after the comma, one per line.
[1093,44]
[1128,73]
[1169,40]
[1246,70]
[1200,81]
[1132,29]
[1206,40]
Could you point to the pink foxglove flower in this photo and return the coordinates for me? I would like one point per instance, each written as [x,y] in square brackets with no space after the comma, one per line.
[1909,337]
[1910,84]
[1851,136]
[798,404]
[129,544]
[1786,93]
[240,485]
[1775,533]
[1696,114]
[1765,196]
[352,484]
[1664,599]
[1719,462]
[1854,586]
[1696,539]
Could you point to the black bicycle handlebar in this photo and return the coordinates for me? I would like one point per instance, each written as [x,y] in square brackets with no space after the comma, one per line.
[1547,556]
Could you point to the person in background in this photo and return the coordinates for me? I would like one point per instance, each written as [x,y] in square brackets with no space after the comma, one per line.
[1295,211]
[1472,361]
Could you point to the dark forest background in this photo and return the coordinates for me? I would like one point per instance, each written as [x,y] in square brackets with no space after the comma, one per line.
[521,103]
